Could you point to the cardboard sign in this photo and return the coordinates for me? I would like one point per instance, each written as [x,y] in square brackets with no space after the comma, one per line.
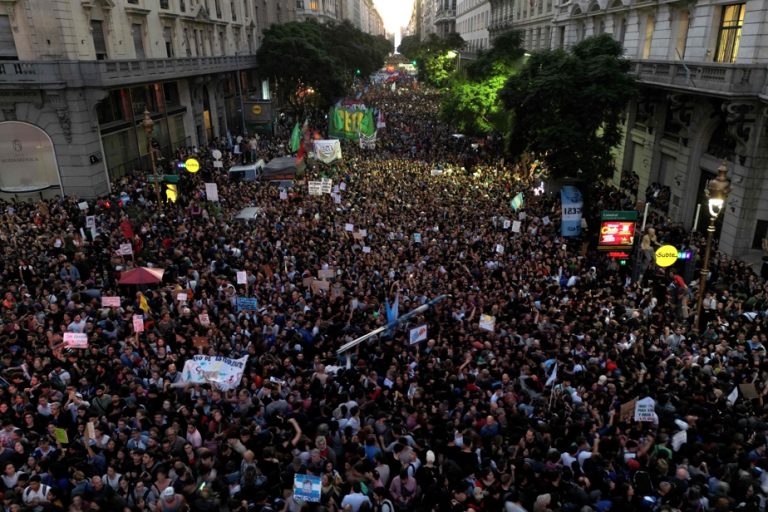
[417,238]
[326,273]
[418,334]
[90,222]
[363,232]
[436,172]
[326,185]
[200,342]
[218,164]
[181,296]
[283,195]
[204,319]
[679,439]
[90,430]
[212,191]
[342,186]
[83,205]
[546,220]
[336,198]
[75,340]
[487,322]
[318,286]
[307,281]
[315,188]
[627,411]
[644,410]
[110,302]
[138,323]
[516,226]
[242,278]
[748,391]
[499,249]
[506,224]
[366,249]
[61,435]
[349,227]
[125,249]
[247,304]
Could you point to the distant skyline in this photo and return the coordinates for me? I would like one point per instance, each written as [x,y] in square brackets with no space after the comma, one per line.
[395,13]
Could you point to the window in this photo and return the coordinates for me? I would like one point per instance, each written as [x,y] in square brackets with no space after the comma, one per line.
[165,4]
[313,5]
[222,44]
[97,32]
[619,29]
[168,38]
[299,4]
[138,40]
[729,35]
[683,20]
[217,4]
[134,2]
[171,93]
[650,25]
[182,6]
[187,44]
[7,45]
[233,10]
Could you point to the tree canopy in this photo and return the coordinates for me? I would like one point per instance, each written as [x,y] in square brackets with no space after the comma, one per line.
[566,107]
[324,57]
[472,103]
[436,57]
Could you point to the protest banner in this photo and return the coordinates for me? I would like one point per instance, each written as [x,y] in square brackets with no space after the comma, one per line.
[242,277]
[223,372]
[75,340]
[212,191]
[110,302]
[644,410]
[306,488]
[138,323]
[418,333]
[487,322]
[247,304]
[125,249]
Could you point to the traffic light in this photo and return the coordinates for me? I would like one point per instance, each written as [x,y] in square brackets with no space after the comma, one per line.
[413,62]
[357,71]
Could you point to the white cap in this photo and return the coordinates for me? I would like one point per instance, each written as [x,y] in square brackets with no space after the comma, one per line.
[430,456]
[168,492]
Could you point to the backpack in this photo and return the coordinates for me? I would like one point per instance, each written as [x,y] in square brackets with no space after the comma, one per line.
[387,506]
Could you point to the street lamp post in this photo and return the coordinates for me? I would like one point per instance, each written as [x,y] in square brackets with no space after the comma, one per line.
[148,125]
[717,191]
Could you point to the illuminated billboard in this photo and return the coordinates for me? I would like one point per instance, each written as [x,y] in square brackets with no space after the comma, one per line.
[617,230]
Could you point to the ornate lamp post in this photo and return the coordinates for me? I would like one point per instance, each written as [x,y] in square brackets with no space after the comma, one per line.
[717,192]
[148,125]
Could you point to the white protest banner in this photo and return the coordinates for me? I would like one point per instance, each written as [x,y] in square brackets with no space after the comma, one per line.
[283,195]
[242,278]
[546,220]
[181,296]
[679,439]
[366,249]
[326,185]
[223,372]
[218,164]
[499,249]
[363,232]
[83,205]
[315,188]
[644,410]
[110,302]
[212,191]
[138,323]
[125,249]
[204,320]
[75,340]
[507,223]
[517,226]
[342,186]
[418,333]
[487,322]
[436,172]
[90,222]
[349,227]
[336,198]
[327,151]
[522,215]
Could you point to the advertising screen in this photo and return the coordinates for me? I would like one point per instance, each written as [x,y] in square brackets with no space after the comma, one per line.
[617,230]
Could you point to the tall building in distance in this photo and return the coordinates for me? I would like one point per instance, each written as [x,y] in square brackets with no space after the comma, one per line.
[472,20]
[445,17]
[321,10]
[532,18]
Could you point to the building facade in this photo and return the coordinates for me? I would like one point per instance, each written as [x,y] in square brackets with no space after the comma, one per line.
[76,77]
[472,21]
[532,18]
[702,67]
[445,17]
[320,10]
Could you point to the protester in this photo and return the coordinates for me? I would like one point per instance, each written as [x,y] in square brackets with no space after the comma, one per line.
[533,411]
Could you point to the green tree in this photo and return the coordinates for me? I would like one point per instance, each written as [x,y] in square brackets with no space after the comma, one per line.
[325,57]
[436,57]
[472,102]
[566,107]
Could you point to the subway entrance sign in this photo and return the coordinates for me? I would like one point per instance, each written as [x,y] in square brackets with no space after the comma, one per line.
[617,231]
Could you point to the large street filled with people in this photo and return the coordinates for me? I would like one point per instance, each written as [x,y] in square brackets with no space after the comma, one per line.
[519,392]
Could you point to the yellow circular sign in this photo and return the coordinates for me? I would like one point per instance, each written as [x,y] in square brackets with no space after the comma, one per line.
[666,255]
[256,110]
[192,165]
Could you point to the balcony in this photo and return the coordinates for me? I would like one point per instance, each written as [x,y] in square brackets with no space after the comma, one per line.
[727,80]
[443,15]
[114,73]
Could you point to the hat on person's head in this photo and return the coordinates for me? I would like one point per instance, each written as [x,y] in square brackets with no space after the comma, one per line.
[168,492]
[602,380]
[633,464]
[430,457]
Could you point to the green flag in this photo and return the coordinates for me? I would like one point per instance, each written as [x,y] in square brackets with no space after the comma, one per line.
[517,202]
[368,124]
[295,138]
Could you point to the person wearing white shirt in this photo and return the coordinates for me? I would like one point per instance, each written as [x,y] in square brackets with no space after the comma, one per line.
[35,495]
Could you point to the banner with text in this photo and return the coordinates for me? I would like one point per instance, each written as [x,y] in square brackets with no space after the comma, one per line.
[327,151]
[349,121]
[224,372]
[573,203]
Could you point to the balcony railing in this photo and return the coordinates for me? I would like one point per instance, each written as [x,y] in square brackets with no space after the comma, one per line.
[445,15]
[109,73]
[713,78]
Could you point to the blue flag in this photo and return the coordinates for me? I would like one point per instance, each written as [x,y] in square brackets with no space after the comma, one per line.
[392,312]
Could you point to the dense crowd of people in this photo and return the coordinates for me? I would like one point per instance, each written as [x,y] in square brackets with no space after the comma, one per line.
[532,411]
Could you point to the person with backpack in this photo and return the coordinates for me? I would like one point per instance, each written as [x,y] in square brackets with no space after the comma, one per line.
[380,501]
[35,495]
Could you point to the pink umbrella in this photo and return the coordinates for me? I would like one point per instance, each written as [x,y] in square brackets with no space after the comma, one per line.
[142,275]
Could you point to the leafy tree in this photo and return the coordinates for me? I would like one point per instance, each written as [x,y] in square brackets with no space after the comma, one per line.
[566,107]
[472,103]
[435,56]
[325,57]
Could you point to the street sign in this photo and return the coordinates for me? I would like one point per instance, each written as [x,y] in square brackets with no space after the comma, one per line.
[192,165]
[666,255]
